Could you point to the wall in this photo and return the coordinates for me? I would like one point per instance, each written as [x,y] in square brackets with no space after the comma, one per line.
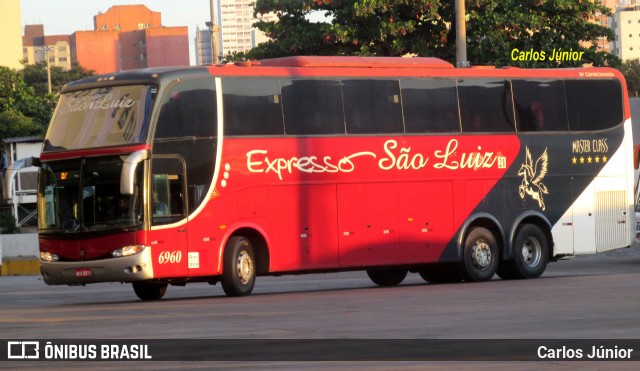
[15,245]
[10,34]
[168,46]
[96,50]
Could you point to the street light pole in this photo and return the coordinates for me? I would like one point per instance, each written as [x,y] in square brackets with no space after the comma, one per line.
[46,49]
[461,35]
[215,29]
[46,55]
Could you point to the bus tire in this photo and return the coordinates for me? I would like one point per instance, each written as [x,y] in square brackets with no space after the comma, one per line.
[480,255]
[239,273]
[531,251]
[440,273]
[387,277]
[505,270]
[146,290]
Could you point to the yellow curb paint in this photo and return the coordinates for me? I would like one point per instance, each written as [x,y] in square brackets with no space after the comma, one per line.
[20,266]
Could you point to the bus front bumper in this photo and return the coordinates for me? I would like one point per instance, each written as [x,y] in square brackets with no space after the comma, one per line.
[132,268]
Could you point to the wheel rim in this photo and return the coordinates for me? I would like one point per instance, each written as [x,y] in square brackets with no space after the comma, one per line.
[481,255]
[531,252]
[244,267]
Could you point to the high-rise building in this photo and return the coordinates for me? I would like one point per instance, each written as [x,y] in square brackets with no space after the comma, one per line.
[203,46]
[127,37]
[37,47]
[603,20]
[236,21]
[10,34]
[626,25]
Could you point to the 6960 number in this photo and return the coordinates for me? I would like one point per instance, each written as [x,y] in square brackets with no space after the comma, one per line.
[170,257]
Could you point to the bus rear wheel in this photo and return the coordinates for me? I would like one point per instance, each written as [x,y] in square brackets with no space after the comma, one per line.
[239,273]
[440,273]
[531,254]
[146,290]
[480,255]
[387,277]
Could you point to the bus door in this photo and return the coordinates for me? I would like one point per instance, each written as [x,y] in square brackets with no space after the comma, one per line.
[168,236]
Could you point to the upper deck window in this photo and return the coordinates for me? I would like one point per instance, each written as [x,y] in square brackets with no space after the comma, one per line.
[101,117]
[485,105]
[252,107]
[430,106]
[372,106]
[540,105]
[593,104]
[313,107]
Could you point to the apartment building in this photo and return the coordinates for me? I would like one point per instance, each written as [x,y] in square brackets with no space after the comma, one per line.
[38,47]
[236,21]
[127,37]
[626,25]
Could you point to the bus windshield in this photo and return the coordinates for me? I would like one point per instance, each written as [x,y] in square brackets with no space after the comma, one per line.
[83,195]
[101,117]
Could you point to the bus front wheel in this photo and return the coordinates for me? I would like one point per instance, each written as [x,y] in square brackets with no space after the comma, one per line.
[387,277]
[146,290]
[480,255]
[239,273]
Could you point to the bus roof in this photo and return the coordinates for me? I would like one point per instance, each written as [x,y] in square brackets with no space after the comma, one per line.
[358,62]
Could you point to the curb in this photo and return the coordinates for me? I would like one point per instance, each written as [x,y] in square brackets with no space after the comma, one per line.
[20,266]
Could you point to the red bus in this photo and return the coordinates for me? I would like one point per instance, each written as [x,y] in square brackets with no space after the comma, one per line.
[316,164]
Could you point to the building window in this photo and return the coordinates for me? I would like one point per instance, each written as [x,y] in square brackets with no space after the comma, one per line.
[62,59]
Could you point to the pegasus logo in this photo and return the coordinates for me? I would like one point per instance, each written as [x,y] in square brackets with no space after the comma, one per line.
[532,175]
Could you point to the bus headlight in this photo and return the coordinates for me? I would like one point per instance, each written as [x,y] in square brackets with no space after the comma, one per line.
[128,250]
[46,256]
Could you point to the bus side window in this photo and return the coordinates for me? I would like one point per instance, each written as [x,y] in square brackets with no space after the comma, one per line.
[252,106]
[593,104]
[540,105]
[372,106]
[312,107]
[187,128]
[486,106]
[430,106]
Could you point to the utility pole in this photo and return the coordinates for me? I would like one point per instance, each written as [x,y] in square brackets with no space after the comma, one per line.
[215,32]
[46,49]
[461,35]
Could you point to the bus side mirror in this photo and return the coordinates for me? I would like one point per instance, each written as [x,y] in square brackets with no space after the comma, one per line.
[128,174]
[636,156]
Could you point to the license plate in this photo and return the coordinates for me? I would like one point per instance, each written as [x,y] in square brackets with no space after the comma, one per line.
[84,272]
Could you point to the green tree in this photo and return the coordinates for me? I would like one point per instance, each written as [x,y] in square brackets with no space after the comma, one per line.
[234,57]
[22,112]
[631,71]
[35,75]
[25,104]
[15,124]
[498,27]
[365,27]
[427,28]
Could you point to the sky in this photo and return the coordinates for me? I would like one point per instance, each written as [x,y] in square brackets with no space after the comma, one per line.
[63,17]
